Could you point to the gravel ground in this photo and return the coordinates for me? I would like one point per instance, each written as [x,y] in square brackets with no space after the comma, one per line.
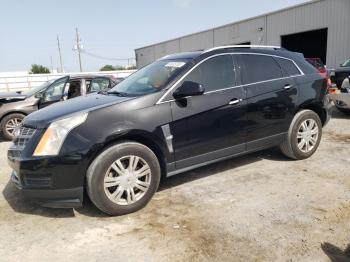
[259,207]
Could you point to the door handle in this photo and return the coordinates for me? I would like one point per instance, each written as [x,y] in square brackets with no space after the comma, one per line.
[235,101]
[286,87]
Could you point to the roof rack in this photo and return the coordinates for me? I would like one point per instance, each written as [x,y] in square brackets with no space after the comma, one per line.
[243,46]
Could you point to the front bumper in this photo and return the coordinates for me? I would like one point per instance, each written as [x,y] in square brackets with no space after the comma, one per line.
[341,100]
[50,181]
[59,198]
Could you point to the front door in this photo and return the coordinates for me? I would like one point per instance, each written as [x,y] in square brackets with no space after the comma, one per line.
[212,125]
[53,93]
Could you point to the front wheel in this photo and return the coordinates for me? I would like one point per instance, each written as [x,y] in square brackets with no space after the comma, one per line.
[304,136]
[123,178]
[9,124]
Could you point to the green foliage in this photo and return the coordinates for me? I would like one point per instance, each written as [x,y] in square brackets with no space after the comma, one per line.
[39,69]
[107,68]
[117,67]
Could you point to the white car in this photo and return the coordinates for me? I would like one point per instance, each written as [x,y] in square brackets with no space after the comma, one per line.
[342,99]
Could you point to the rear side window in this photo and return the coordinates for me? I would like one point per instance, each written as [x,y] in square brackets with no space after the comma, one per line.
[214,74]
[259,68]
[289,67]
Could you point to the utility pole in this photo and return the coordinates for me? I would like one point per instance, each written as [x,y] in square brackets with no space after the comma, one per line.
[59,53]
[51,64]
[78,47]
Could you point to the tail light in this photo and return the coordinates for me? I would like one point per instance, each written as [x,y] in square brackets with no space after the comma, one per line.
[329,89]
[322,70]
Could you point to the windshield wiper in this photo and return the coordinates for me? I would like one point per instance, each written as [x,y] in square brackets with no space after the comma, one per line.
[117,93]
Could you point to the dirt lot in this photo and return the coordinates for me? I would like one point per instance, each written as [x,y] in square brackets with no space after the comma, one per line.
[260,207]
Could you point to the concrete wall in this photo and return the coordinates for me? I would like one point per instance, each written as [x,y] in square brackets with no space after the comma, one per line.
[10,82]
[331,14]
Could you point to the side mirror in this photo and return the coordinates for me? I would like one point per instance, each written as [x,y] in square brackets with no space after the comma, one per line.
[188,88]
[39,95]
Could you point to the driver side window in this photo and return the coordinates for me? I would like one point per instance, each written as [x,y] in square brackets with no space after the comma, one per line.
[55,91]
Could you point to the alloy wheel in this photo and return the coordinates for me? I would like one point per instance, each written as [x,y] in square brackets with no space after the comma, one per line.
[12,124]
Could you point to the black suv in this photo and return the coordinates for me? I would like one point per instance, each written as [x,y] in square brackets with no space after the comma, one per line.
[178,113]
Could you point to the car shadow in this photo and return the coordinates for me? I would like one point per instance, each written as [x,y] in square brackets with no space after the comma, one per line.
[272,154]
[336,254]
[339,115]
[3,139]
[22,205]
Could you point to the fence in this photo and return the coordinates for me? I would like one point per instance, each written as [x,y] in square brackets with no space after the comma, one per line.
[23,82]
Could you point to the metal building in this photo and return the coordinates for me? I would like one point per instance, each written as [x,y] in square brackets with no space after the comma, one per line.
[319,28]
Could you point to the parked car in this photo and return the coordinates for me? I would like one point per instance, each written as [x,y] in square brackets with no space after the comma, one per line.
[15,106]
[342,99]
[176,114]
[341,73]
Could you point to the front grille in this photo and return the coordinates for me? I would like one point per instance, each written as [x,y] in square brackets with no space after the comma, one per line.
[22,137]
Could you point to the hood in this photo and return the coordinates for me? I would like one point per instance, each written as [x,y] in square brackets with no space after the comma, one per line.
[8,97]
[43,117]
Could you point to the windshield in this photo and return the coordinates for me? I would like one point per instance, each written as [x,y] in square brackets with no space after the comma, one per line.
[38,88]
[346,63]
[149,79]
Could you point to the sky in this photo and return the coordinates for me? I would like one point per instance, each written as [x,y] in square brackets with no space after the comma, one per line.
[108,28]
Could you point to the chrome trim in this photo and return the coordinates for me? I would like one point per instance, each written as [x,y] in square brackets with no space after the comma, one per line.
[235,102]
[242,46]
[234,53]
[245,152]
[168,137]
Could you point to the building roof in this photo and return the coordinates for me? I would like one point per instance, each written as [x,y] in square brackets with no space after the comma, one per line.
[236,22]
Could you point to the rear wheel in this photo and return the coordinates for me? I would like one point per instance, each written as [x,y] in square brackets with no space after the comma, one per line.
[123,178]
[9,124]
[304,135]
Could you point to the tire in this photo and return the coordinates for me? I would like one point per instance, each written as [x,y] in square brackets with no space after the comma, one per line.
[344,111]
[101,170]
[289,146]
[9,120]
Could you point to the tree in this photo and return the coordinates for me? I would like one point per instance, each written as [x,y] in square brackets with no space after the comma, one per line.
[39,69]
[107,68]
[119,67]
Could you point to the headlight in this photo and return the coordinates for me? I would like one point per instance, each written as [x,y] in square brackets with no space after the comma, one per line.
[54,136]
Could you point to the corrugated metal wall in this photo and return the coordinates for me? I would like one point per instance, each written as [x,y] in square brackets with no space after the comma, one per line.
[331,14]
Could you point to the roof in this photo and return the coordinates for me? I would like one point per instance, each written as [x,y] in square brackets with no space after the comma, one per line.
[87,76]
[236,22]
[186,55]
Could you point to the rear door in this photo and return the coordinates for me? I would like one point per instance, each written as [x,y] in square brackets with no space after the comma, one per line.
[271,99]
[99,84]
[212,125]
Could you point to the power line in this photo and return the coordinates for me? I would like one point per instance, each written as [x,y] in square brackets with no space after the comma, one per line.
[106,58]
